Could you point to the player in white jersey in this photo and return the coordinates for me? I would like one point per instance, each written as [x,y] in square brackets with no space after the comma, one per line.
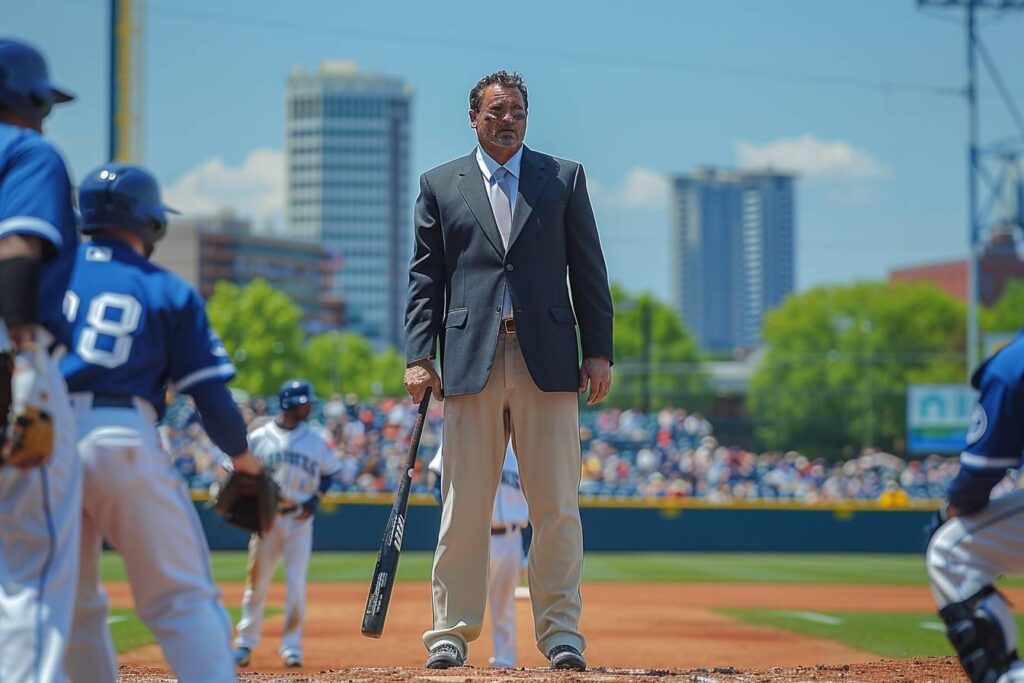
[302,464]
[508,519]
[135,329]
[40,478]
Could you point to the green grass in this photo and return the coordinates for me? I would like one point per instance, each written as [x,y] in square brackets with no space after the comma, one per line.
[890,634]
[129,632]
[673,567]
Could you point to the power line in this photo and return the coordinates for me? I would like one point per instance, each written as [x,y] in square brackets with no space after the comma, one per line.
[476,46]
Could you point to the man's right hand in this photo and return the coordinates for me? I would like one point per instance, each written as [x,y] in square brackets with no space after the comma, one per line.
[418,377]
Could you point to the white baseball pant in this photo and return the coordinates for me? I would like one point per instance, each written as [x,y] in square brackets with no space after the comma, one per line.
[137,501]
[40,519]
[292,539]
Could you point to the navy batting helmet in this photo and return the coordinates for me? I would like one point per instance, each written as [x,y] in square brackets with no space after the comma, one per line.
[25,87]
[123,196]
[295,392]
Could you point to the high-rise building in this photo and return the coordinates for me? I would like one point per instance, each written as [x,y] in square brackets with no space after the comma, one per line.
[347,142]
[733,252]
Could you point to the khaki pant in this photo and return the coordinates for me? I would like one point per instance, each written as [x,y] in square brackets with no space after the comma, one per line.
[544,427]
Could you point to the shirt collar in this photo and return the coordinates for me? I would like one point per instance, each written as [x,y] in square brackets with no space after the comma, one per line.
[488,165]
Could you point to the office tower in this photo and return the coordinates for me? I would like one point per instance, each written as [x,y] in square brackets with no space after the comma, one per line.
[733,251]
[347,144]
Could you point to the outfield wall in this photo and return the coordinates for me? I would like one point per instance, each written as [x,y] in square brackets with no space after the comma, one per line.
[357,523]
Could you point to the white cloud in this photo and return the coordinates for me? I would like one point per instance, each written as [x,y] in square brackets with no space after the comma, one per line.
[255,188]
[642,188]
[812,158]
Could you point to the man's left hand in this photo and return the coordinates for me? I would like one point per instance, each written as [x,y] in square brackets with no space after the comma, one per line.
[597,372]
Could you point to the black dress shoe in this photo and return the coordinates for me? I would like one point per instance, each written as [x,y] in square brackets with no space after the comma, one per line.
[567,657]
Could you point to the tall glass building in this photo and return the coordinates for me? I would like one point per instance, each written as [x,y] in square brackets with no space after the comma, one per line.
[347,147]
[733,252]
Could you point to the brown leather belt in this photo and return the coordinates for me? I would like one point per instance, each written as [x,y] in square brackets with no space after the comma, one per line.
[501,530]
[287,510]
[508,326]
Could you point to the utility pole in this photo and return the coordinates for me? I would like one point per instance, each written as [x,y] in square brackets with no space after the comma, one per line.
[977,156]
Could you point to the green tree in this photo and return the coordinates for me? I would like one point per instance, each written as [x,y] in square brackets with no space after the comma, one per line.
[1007,314]
[675,375]
[345,362]
[838,361]
[260,328]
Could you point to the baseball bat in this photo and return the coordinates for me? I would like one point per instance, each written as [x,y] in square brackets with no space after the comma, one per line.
[384,572]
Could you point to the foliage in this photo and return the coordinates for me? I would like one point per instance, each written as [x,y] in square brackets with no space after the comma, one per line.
[1007,314]
[675,376]
[838,361]
[260,328]
[345,362]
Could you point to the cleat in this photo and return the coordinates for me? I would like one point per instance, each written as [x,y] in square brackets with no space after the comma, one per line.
[242,655]
[566,657]
[444,656]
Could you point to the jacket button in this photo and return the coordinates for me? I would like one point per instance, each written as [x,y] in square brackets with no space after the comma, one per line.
[509,267]
[497,309]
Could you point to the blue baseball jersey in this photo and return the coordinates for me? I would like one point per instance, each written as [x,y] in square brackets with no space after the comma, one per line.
[137,328]
[36,200]
[995,439]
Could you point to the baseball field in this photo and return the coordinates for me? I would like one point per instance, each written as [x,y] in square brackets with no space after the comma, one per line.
[648,616]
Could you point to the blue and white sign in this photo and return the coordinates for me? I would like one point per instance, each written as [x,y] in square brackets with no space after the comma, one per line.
[938,417]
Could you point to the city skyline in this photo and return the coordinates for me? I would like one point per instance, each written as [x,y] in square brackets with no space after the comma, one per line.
[876,136]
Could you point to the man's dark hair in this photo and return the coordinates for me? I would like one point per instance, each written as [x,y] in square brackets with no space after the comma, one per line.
[502,78]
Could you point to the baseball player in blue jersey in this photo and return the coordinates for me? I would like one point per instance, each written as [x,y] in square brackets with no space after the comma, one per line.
[135,330]
[40,478]
[302,465]
[978,539]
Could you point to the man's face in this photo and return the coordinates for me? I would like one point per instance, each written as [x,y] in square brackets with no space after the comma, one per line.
[302,411]
[501,121]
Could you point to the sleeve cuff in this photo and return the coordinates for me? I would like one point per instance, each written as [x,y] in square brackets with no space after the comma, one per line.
[30,225]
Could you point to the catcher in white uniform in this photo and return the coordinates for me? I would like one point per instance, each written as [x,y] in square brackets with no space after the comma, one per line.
[508,519]
[302,464]
[978,539]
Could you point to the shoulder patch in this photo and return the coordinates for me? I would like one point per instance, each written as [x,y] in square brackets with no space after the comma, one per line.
[978,425]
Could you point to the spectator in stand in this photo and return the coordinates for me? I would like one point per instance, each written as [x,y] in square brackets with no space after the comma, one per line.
[670,453]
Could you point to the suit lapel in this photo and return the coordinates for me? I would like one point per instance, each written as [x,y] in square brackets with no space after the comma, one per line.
[534,173]
[471,185]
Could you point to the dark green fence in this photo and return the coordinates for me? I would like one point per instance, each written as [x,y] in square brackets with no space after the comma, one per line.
[357,523]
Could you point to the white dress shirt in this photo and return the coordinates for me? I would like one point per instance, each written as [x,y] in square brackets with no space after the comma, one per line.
[487,168]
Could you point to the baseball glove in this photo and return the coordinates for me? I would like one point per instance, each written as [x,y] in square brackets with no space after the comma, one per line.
[248,501]
[26,427]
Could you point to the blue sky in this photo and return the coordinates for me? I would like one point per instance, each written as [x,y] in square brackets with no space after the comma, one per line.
[633,90]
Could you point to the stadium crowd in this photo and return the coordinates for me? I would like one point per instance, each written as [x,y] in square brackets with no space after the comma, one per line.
[626,453]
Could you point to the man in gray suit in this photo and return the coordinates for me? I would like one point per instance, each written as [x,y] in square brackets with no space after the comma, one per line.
[497,234]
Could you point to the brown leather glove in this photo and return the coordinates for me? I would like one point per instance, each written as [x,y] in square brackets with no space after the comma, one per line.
[28,426]
[249,501]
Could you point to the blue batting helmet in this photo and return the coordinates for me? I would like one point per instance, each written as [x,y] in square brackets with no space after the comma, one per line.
[123,196]
[295,392]
[25,87]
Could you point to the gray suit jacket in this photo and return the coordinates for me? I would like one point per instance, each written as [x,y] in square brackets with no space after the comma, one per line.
[459,272]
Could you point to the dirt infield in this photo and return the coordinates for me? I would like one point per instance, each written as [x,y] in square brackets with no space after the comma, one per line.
[643,632]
